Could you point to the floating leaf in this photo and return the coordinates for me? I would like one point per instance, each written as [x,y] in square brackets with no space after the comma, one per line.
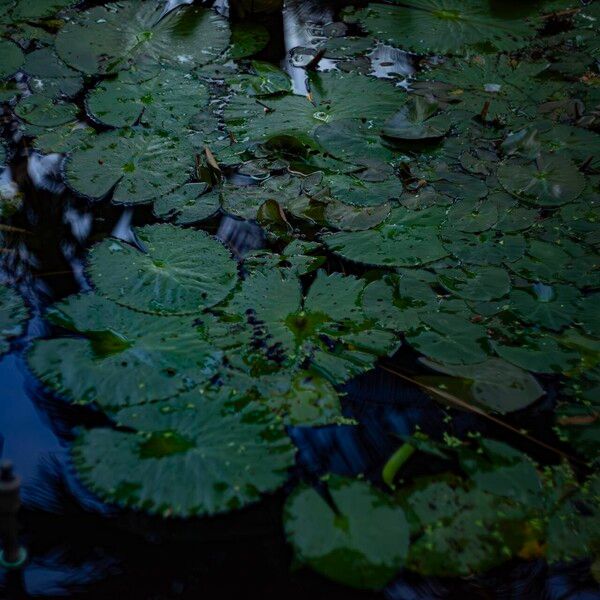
[358,192]
[138,164]
[247,39]
[265,79]
[191,203]
[116,357]
[495,384]
[539,354]
[450,339]
[26,10]
[180,271]
[362,542]
[334,96]
[406,239]
[122,35]
[552,307]
[416,121]
[352,140]
[303,399]
[355,218]
[327,330]
[49,75]
[44,111]
[12,58]
[477,283]
[550,180]
[443,26]
[167,100]
[186,457]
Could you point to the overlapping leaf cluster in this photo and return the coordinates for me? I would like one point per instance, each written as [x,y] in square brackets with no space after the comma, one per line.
[455,214]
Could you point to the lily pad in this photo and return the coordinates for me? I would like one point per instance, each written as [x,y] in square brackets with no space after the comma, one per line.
[137,165]
[406,239]
[114,356]
[417,121]
[119,36]
[190,203]
[247,39]
[304,399]
[495,384]
[361,541]
[550,180]
[13,312]
[539,354]
[191,456]
[451,339]
[334,96]
[44,111]
[477,283]
[443,26]
[352,140]
[326,331]
[25,10]
[12,58]
[180,271]
[552,307]
[49,75]
[169,99]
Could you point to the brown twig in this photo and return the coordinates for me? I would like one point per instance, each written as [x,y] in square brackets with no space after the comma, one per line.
[457,402]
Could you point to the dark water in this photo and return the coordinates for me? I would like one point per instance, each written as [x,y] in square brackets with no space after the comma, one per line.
[78,547]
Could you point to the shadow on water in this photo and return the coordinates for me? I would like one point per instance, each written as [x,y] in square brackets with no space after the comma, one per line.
[79,547]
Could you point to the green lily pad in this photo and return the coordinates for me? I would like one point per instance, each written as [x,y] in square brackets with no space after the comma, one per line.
[552,307]
[334,96]
[539,354]
[485,248]
[245,201]
[406,239]
[495,384]
[443,26]
[123,35]
[396,302]
[138,164]
[495,85]
[450,339]
[191,203]
[417,121]
[354,218]
[247,39]
[186,457]
[589,316]
[473,215]
[44,111]
[477,283]
[550,180]
[362,543]
[326,331]
[180,271]
[169,99]
[26,10]
[117,357]
[573,529]
[464,531]
[13,312]
[357,192]
[352,140]
[49,75]
[304,399]
[265,79]
[12,58]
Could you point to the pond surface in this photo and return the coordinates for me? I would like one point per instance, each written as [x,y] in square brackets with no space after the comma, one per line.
[301,300]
